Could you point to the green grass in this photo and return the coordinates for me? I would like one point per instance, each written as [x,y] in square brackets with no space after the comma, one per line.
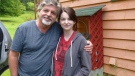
[6,73]
[11,23]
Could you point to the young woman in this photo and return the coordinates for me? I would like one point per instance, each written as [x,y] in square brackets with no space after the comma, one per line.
[70,58]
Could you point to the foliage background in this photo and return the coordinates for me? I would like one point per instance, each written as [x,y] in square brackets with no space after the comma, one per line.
[15,7]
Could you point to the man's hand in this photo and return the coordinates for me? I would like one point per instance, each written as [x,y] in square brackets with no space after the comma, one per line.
[89,47]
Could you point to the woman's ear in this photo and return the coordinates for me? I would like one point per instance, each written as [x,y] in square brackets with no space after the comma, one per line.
[74,22]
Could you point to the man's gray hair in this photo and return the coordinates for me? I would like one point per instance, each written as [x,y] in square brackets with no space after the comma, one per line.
[50,2]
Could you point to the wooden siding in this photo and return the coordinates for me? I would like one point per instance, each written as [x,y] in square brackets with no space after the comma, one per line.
[119,25]
[118,33]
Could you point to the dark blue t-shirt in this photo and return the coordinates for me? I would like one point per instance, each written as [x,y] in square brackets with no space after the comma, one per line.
[35,48]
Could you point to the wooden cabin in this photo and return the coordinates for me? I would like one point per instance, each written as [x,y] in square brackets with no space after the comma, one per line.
[118,31]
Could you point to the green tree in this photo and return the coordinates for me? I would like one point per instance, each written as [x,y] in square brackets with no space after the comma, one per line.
[11,7]
[30,6]
[25,3]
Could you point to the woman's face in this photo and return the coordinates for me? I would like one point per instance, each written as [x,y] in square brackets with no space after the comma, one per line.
[65,22]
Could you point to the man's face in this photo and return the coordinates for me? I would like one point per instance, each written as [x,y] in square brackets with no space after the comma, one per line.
[48,14]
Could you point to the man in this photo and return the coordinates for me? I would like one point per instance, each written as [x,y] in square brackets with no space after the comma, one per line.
[35,41]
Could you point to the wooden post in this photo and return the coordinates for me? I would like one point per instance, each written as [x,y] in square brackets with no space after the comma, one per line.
[35,8]
[36,3]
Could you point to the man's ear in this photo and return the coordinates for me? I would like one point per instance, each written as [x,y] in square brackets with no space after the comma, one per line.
[39,10]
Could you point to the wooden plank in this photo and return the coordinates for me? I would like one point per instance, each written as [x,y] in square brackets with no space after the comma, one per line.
[78,3]
[122,63]
[118,53]
[119,34]
[63,1]
[119,15]
[110,6]
[119,5]
[118,71]
[119,24]
[121,44]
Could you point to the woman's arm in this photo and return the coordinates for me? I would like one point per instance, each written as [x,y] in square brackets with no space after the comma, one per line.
[85,60]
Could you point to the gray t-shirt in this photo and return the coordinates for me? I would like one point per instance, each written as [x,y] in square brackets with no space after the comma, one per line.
[35,48]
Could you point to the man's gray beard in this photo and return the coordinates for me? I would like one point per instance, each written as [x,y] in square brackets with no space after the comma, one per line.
[46,23]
